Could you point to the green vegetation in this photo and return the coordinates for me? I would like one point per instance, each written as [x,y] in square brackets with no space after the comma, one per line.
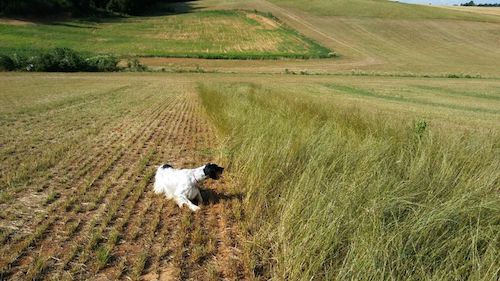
[58,60]
[208,34]
[341,192]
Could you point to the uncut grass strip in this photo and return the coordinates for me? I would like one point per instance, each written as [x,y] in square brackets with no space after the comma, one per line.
[238,268]
[88,185]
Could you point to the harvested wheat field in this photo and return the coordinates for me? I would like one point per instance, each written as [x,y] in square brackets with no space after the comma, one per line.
[80,204]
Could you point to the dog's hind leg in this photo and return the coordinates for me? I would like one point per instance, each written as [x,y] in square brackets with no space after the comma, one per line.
[182,200]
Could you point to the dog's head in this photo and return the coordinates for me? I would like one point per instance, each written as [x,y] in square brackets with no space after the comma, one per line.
[213,171]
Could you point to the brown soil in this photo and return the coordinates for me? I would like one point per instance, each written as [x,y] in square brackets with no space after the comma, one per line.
[157,240]
[266,23]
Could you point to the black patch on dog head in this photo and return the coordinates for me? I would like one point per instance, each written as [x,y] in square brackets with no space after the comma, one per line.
[166,166]
[213,171]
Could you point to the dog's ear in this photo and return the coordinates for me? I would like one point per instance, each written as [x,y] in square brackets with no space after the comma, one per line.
[213,171]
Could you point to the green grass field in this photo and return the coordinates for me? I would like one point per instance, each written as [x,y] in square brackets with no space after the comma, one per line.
[205,34]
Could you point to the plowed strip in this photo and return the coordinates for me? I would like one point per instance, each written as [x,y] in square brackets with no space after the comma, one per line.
[107,222]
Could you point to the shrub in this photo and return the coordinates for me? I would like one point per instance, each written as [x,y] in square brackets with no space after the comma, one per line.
[102,63]
[59,60]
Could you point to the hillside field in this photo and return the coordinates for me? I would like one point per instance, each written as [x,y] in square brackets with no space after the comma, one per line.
[205,34]
[380,163]
[373,36]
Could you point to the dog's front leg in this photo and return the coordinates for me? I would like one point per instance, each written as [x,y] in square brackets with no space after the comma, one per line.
[181,200]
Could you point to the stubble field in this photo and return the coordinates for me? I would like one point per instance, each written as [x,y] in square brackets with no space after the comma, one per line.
[78,160]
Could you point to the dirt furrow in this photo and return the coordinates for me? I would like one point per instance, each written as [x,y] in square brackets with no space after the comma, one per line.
[165,149]
[72,170]
[99,178]
[108,223]
[121,206]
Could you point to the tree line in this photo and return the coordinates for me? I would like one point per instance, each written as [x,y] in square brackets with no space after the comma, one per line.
[76,7]
[472,4]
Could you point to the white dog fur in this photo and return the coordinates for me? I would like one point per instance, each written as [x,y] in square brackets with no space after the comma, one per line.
[181,185]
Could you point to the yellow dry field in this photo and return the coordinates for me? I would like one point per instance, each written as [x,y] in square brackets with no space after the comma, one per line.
[428,43]
[480,10]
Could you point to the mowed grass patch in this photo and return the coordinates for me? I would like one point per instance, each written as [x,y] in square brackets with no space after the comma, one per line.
[380,9]
[206,34]
[396,37]
[344,192]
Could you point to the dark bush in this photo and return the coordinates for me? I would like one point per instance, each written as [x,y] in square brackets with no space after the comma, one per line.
[58,60]
[7,63]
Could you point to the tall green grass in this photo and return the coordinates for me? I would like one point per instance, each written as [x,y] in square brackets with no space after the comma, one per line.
[339,193]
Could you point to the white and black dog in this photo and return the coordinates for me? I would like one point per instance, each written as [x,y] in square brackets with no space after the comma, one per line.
[182,184]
